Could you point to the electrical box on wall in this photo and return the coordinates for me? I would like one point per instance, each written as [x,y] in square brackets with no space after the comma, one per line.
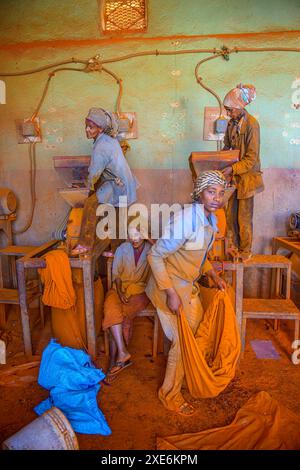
[28,130]
[127,125]
[214,125]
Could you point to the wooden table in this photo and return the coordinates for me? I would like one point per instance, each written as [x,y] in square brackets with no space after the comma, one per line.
[87,263]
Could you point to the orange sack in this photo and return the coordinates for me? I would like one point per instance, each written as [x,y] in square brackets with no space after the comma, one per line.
[210,357]
[57,280]
[261,424]
[68,324]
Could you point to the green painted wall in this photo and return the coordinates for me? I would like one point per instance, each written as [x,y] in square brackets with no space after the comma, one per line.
[33,20]
[162,90]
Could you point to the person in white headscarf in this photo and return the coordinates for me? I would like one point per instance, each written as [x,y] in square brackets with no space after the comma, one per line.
[109,174]
[177,260]
[242,133]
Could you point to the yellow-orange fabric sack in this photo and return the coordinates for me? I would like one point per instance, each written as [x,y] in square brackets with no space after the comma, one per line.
[210,357]
[69,326]
[68,309]
[57,280]
[261,424]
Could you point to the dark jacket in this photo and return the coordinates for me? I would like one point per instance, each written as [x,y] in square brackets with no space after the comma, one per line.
[247,172]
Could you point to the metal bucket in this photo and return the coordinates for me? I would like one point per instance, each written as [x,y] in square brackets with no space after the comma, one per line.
[50,431]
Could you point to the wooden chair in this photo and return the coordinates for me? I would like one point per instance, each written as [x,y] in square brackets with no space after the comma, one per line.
[280,307]
[149,311]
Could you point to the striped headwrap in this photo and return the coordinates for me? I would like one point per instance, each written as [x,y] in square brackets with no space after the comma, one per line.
[205,179]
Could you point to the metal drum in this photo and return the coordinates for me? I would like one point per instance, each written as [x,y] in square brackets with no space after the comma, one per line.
[50,431]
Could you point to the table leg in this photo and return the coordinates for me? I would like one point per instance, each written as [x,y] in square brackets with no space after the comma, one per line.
[88,287]
[24,308]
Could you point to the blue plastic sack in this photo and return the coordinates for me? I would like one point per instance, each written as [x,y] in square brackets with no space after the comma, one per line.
[73,382]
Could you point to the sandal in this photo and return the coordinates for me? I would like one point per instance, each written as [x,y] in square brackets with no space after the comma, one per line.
[117,368]
[186,409]
[109,378]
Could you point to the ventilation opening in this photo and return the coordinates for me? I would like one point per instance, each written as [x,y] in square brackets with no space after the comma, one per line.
[123,16]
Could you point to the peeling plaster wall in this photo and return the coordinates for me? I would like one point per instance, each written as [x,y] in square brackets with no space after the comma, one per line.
[162,90]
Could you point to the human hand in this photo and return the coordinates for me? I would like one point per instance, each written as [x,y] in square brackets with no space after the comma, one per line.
[123,297]
[174,301]
[217,280]
[227,172]
[220,283]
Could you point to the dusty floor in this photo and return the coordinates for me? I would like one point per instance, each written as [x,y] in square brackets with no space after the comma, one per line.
[131,406]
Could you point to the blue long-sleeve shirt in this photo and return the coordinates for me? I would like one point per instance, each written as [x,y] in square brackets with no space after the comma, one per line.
[107,155]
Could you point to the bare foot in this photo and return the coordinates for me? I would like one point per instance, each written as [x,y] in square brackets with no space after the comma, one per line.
[79,250]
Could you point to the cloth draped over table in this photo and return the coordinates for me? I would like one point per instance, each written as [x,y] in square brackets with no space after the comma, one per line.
[63,291]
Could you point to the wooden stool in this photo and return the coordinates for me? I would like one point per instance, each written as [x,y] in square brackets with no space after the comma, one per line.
[279,308]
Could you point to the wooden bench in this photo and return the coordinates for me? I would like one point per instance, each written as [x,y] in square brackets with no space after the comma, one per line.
[280,307]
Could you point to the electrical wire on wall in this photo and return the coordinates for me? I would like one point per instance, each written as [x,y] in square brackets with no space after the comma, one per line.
[32,145]
[96,64]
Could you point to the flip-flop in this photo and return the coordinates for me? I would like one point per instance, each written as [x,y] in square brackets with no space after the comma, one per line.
[185,407]
[109,379]
[121,366]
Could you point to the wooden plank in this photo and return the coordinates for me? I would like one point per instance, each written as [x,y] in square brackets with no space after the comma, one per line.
[225,265]
[271,308]
[34,263]
[14,250]
[9,296]
[8,370]
[267,261]
[38,251]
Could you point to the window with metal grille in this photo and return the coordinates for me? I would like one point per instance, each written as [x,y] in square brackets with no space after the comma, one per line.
[122,16]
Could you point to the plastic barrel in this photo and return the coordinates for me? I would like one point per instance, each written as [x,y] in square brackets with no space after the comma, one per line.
[50,431]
